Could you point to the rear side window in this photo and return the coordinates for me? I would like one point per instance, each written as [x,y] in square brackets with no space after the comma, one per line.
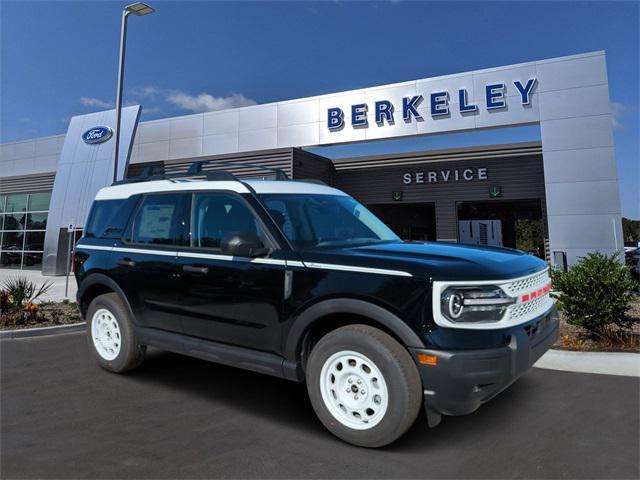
[105,220]
[160,220]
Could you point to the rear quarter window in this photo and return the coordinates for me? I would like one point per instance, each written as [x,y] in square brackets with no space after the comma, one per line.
[109,218]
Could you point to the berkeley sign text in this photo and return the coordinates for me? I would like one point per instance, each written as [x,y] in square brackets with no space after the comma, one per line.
[439,106]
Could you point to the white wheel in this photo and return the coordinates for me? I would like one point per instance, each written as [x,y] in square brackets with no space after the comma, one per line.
[354,390]
[363,385]
[105,333]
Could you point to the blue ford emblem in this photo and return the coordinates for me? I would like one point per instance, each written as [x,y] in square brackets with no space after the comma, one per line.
[97,135]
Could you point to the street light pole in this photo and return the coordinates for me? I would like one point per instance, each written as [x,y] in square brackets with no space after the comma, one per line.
[137,9]
[123,41]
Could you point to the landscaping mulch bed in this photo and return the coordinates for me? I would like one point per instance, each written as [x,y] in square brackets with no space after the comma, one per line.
[49,314]
[578,339]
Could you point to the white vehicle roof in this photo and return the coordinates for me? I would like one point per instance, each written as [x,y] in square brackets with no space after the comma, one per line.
[126,190]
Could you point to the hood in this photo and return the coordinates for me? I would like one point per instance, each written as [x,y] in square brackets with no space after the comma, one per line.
[443,261]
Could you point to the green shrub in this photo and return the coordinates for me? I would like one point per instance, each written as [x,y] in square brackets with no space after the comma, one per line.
[19,292]
[595,292]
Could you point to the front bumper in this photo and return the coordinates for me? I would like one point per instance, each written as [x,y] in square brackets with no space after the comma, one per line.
[462,380]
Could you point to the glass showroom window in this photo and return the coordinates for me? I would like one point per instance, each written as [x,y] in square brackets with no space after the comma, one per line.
[23,221]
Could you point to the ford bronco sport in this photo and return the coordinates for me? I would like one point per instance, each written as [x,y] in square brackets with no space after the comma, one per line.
[298,280]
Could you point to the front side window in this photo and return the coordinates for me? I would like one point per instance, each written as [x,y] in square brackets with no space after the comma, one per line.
[160,220]
[214,215]
[326,221]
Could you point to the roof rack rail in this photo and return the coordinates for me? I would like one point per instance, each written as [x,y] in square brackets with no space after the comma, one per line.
[196,167]
[196,170]
[311,180]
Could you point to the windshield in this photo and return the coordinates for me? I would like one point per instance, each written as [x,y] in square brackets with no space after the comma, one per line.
[326,221]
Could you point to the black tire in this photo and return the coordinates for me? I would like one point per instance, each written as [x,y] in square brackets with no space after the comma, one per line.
[397,368]
[131,353]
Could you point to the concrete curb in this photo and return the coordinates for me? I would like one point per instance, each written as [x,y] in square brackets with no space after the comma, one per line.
[607,363]
[43,331]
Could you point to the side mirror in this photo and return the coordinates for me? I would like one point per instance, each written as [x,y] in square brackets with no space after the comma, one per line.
[242,244]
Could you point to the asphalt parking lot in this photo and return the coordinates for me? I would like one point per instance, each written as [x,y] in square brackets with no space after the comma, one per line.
[176,417]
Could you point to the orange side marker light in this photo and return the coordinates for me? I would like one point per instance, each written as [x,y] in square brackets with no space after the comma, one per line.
[425,359]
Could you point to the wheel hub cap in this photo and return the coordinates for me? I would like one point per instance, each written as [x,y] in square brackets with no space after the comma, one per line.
[105,333]
[354,390]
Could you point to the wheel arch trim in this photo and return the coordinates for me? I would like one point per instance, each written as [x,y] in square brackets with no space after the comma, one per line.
[101,279]
[308,317]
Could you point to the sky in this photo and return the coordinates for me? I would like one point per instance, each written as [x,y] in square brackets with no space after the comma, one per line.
[59,59]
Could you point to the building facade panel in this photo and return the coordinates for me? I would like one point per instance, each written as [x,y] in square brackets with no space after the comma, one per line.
[566,73]
[223,122]
[584,198]
[572,233]
[579,165]
[259,117]
[220,144]
[150,152]
[307,133]
[577,102]
[186,127]
[296,113]
[258,139]
[49,146]
[154,131]
[185,147]
[577,132]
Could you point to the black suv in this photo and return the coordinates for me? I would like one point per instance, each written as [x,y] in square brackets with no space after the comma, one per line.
[298,280]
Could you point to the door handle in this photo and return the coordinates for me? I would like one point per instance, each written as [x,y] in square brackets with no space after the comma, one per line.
[195,269]
[126,262]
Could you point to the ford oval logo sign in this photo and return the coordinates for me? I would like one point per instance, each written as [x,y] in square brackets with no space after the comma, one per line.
[97,135]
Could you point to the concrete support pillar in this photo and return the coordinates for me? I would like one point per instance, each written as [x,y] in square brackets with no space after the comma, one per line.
[583,202]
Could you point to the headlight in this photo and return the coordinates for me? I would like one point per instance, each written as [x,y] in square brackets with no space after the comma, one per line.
[474,304]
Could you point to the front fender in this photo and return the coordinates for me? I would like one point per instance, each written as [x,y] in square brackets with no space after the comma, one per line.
[304,320]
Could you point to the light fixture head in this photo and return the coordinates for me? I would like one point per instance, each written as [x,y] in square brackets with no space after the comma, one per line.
[139,9]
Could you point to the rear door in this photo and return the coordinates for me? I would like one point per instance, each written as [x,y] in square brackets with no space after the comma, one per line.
[145,259]
[234,300]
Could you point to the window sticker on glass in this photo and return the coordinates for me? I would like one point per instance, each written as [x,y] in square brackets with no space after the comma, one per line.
[155,221]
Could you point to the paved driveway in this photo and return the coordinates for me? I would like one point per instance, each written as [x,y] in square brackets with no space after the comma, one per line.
[179,417]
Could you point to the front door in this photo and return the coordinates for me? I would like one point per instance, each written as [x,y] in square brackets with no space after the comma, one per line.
[234,300]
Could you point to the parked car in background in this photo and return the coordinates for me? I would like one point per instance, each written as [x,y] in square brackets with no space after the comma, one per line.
[632,259]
